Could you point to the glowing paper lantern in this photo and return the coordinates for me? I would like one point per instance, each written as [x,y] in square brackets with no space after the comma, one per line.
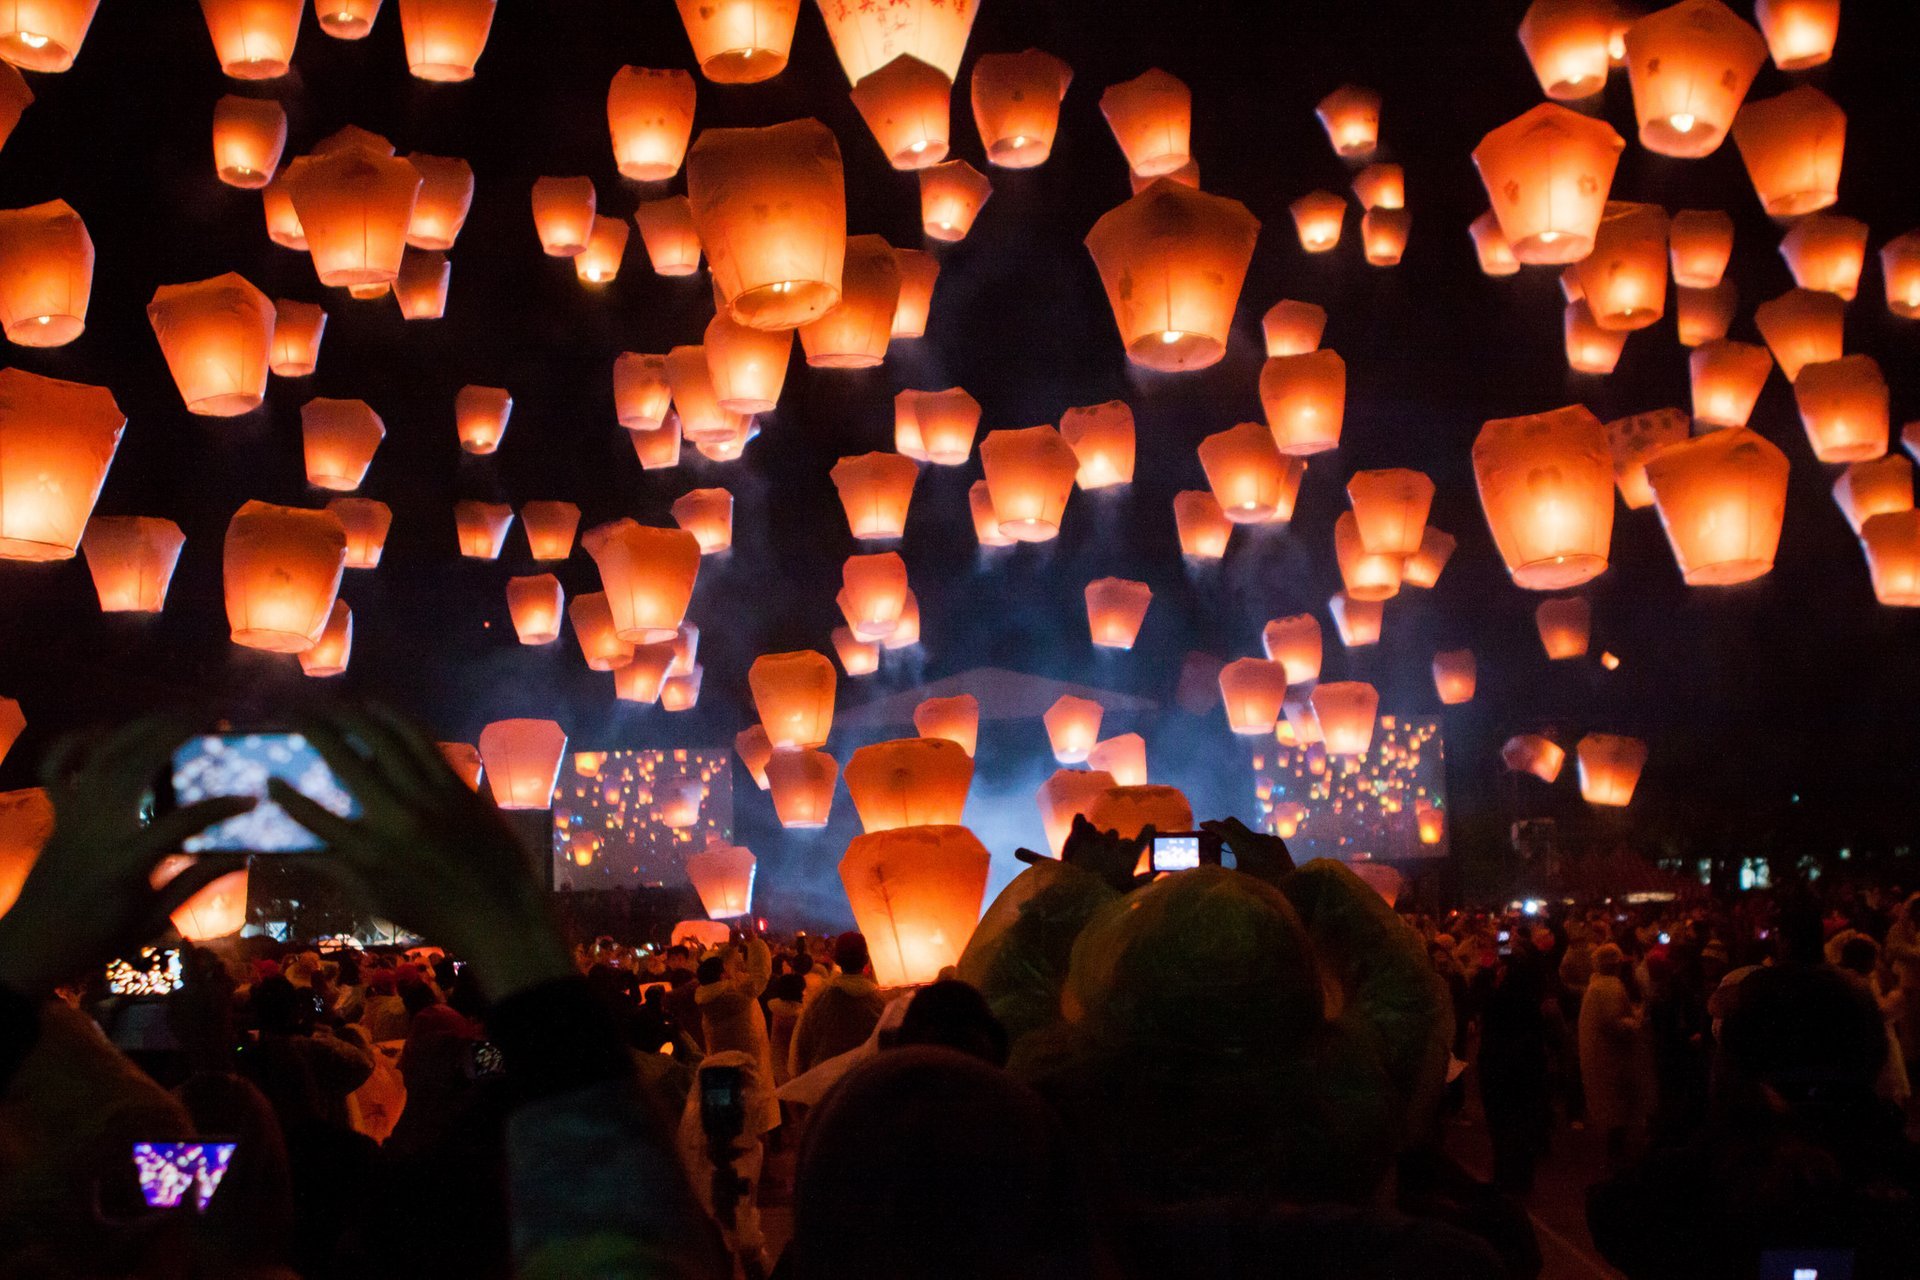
[1900,269]
[770,207]
[1634,439]
[253,38]
[217,910]
[366,523]
[641,392]
[955,719]
[1203,527]
[754,751]
[1826,251]
[722,875]
[1173,260]
[216,335]
[1253,691]
[679,692]
[1863,491]
[906,632]
[44,35]
[464,759]
[444,40]
[986,521]
[1351,117]
[281,568]
[332,651]
[355,206]
[1423,567]
[1800,33]
[1801,327]
[951,196]
[1065,795]
[1546,485]
[248,136]
[1610,766]
[1345,710]
[1294,642]
[1727,379]
[1305,398]
[1317,219]
[1381,186]
[1700,242]
[853,334]
[283,220]
[1792,146]
[563,214]
[57,440]
[1531,753]
[1455,674]
[1152,119]
[522,759]
[446,193]
[1624,280]
[916,895]
[12,724]
[875,489]
[1566,41]
[1016,105]
[340,438]
[740,41]
[867,36]
[1358,621]
[1293,328]
[1029,474]
[642,677]
[1843,405]
[1073,726]
[1124,759]
[480,417]
[1102,438]
[857,657]
[131,559]
[1252,481]
[535,603]
[1491,246]
[1705,315]
[347,19]
[1383,235]
[550,527]
[1128,811]
[368,292]
[708,515]
[909,782]
[874,593]
[482,528]
[677,802]
[1116,608]
[599,262]
[918,272]
[1547,174]
[1690,66]
[905,104]
[1722,497]
[1366,576]
[26,816]
[15,98]
[1390,510]
[667,231]
[801,784]
[600,644]
[1432,826]
[1565,624]
[1891,541]
[648,575]
[696,399]
[650,118]
[297,330]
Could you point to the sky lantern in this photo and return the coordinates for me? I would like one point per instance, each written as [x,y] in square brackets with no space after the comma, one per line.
[1491,246]
[1065,795]
[956,719]
[347,19]
[1381,186]
[1390,510]
[1546,485]
[1358,621]
[57,440]
[1124,759]
[248,137]
[909,782]
[1102,438]
[1252,690]
[46,274]
[1802,327]
[1800,33]
[919,270]
[1792,146]
[1826,252]
[751,745]
[1566,41]
[366,523]
[282,571]
[1151,117]
[563,214]
[1251,479]
[1624,279]
[650,117]
[854,333]
[297,330]
[1202,525]
[696,399]
[905,104]
[1365,575]
[677,802]
[330,654]
[522,759]
[536,602]
[464,759]
[1547,174]
[216,910]
[1030,474]
[1317,219]
[1455,675]
[1891,541]
[740,41]
[680,692]
[480,417]
[1690,66]
[644,674]
[947,421]
[253,39]
[15,98]
[1173,260]
[641,392]
[132,559]
[874,593]
[951,196]
[906,632]
[1704,315]
[770,207]
[1016,105]
[283,220]
[1534,754]
[1293,328]
[648,575]
[340,438]
[44,35]
[1116,608]
[1843,405]
[600,645]
[1700,243]
[444,40]
[368,292]
[1073,726]
[1865,489]
[986,521]
[1299,722]
[1900,269]
[1305,398]
[1294,642]
[1346,711]
[1423,567]
[1635,438]
[1130,810]
[1722,497]
[1351,117]
[12,724]
[722,874]
[599,262]
[355,205]
[875,489]
[708,515]
[1610,766]
[550,527]
[667,231]
[801,784]
[1565,624]
[916,895]
[857,657]
[482,528]
[1383,235]
[1727,379]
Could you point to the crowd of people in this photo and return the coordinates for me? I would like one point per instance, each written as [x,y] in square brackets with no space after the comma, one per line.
[1218,1072]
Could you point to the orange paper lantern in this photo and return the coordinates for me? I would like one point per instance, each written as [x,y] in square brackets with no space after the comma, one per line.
[355,205]
[677,802]
[1634,439]
[708,515]
[650,117]
[446,193]
[1801,327]
[550,527]
[1294,643]
[480,417]
[522,759]
[1201,523]
[57,440]
[1455,675]
[906,632]
[956,719]
[1891,541]
[563,215]
[875,489]
[1690,66]
[754,751]
[770,207]
[1016,105]
[1317,219]
[216,335]
[1491,246]
[667,231]
[281,568]
[679,692]
[600,644]
[909,782]
[1067,794]
[1900,269]
[1383,235]
[482,528]
[697,400]
[1029,475]
[283,220]
[1381,186]
[1390,510]
[854,333]
[1366,576]
[1565,624]
[1705,315]
[1547,174]
[1792,146]
[951,196]
[641,392]
[297,330]
[1102,438]
[1727,378]
[1843,405]
[1700,242]
[340,438]
[1826,252]
[332,651]
[1152,119]
[874,593]
[905,104]
[1423,567]
[44,35]
[648,575]
[1116,608]
[1863,491]
[15,98]
[801,784]
[248,136]
[857,657]
[1624,280]
[444,40]
[1566,41]
[1546,485]
[1351,117]
[1722,497]
[132,559]
[916,895]
[1128,811]
[216,910]
[1123,759]
[1610,766]
[986,521]
[347,19]
[1800,33]
[421,287]
[1252,481]
[722,875]
[1253,691]
[1534,754]
[643,676]
[535,603]
[1293,328]
[1173,260]
[1346,711]
[1358,621]
[740,41]
[366,523]
[253,38]
[918,272]
[1073,726]
[599,262]
[464,759]
[867,34]
[1305,398]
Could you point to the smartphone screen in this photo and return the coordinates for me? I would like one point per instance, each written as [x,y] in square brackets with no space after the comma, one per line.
[154,972]
[239,765]
[171,1172]
[1176,853]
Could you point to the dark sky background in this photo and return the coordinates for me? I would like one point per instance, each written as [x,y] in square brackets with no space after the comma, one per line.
[1798,685]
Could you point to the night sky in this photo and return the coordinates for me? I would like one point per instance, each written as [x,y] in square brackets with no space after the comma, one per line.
[1798,685]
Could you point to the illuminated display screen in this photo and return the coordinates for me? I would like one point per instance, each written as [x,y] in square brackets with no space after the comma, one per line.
[623,819]
[1389,803]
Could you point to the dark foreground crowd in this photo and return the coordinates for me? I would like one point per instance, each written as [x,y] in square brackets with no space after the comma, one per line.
[1220,1072]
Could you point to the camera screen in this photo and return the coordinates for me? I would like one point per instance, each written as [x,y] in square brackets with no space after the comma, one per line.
[152,973]
[169,1171]
[239,765]
[1176,853]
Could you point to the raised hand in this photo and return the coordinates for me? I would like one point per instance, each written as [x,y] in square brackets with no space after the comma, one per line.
[1256,853]
[1106,854]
